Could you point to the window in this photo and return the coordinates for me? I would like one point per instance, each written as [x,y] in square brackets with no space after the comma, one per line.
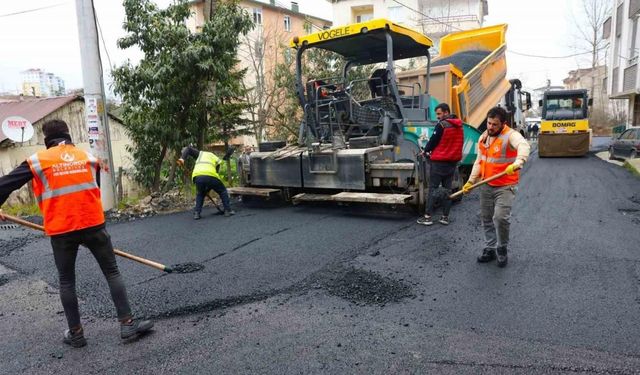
[307,27]
[396,14]
[257,16]
[362,13]
[364,17]
[288,57]
[627,134]
[287,23]
[633,51]
[258,48]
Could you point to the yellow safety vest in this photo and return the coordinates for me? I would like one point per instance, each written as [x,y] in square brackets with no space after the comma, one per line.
[206,165]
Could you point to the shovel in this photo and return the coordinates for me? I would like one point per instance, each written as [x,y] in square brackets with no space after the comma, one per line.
[492,178]
[136,258]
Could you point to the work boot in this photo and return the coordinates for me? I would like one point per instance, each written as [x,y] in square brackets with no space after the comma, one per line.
[75,339]
[196,216]
[488,254]
[134,327]
[502,256]
[228,213]
[444,220]
[425,220]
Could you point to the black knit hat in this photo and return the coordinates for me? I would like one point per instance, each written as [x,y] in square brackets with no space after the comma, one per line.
[55,127]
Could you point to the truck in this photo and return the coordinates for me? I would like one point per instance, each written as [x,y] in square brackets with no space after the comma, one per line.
[564,125]
[353,149]
[517,101]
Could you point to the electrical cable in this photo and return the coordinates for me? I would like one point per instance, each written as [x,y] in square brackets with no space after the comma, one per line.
[34,9]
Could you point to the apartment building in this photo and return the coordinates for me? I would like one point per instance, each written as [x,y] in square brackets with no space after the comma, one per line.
[262,49]
[621,30]
[434,18]
[37,82]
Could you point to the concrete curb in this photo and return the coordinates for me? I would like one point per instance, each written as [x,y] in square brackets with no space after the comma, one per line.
[633,165]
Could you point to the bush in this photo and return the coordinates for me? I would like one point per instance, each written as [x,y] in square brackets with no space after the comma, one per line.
[22,210]
[235,178]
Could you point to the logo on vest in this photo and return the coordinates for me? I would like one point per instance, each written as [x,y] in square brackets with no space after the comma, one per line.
[496,149]
[67,157]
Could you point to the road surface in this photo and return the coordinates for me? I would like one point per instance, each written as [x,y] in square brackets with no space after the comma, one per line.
[319,289]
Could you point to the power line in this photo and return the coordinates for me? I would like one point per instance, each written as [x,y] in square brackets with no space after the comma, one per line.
[103,43]
[552,57]
[33,10]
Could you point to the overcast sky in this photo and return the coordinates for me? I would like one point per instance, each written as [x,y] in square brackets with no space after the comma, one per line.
[48,38]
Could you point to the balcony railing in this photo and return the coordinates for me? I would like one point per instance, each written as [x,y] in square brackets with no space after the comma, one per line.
[630,76]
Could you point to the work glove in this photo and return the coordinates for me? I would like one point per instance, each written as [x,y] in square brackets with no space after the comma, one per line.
[511,169]
[466,189]
[180,162]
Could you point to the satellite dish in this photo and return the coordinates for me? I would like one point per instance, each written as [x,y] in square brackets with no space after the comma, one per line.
[17,129]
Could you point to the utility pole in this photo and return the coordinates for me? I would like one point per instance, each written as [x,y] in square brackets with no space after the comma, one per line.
[97,121]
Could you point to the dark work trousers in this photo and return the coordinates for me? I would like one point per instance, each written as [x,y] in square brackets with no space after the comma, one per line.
[440,173]
[204,184]
[65,251]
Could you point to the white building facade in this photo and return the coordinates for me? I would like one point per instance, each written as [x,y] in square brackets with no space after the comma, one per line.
[37,82]
[622,82]
[435,18]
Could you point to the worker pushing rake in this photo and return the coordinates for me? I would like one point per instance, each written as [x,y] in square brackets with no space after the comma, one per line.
[67,189]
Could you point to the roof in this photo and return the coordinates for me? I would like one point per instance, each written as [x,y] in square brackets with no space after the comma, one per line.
[365,42]
[33,109]
[277,6]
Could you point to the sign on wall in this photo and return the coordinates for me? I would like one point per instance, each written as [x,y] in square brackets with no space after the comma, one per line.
[17,129]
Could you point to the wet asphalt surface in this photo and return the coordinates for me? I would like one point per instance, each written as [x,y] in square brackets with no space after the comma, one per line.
[328,289]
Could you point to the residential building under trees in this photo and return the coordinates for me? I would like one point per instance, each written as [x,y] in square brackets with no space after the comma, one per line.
[264,48]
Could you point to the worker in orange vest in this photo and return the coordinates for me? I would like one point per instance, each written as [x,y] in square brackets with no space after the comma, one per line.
[66,186]
[500,149]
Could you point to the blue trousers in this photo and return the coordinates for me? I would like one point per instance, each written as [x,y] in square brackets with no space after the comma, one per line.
[204,184]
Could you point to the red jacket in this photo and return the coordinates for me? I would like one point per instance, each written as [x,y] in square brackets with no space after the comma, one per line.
[450,146]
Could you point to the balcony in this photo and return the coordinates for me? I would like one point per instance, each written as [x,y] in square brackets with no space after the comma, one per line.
[630,77]
[634,8]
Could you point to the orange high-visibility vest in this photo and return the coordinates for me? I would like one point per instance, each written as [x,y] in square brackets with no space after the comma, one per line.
[496,157]
[65,187]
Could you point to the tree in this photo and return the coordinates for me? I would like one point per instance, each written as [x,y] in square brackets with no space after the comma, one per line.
[227,110]
[589,27]
[165,95]
[261,52]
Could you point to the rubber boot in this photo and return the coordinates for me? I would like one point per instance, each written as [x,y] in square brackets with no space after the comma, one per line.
[502,256]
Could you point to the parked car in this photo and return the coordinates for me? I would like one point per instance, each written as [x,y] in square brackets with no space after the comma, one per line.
[627,145]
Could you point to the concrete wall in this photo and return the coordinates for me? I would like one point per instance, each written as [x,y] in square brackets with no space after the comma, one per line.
[73,114]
